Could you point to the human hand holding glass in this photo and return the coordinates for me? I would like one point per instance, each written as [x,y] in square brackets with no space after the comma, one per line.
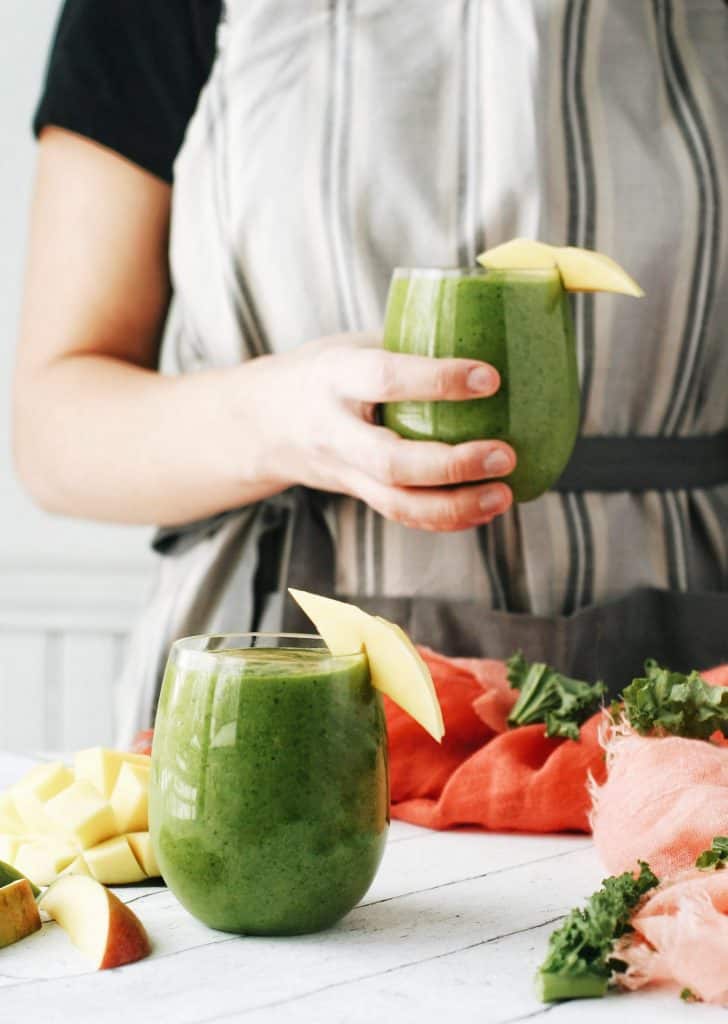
[324,434]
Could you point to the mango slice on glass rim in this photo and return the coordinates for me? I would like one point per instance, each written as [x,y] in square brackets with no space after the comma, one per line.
[582,270]
[395,664]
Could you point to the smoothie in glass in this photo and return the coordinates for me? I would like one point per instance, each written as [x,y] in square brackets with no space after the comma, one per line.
[520,322]
[269,800]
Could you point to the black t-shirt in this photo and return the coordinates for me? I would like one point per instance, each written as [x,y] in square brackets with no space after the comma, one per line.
[128,74]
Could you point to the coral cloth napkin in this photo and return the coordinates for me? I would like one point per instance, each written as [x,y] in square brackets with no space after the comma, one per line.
[483,774]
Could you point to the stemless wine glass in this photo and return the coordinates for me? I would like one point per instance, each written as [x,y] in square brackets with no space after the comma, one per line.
[269,794]
[520,322]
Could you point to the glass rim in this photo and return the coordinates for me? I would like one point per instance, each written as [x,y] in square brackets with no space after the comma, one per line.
[437,273]
[194,644]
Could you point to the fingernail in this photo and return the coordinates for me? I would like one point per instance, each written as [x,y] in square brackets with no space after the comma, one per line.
[491,501]
[482,381]
[497,463]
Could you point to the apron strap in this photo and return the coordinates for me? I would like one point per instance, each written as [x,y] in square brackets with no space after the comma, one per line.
[646,463]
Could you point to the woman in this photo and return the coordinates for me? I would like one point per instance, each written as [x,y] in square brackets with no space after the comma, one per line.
[333,141]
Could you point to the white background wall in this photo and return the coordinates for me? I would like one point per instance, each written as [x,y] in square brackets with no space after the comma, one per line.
[68,590]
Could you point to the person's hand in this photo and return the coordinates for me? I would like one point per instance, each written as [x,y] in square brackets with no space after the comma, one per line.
[316,409]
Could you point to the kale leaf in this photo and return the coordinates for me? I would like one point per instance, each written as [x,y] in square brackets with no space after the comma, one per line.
[562,704]
[716,857]
[670,702]
[579,961]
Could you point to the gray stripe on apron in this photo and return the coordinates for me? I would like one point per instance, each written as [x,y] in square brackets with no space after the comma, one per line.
[245,312]
[486,538]
[361,548]
[582,206]
[587,591]
[702,286]
[573,576]
[501,561]
[675,565]
[580,231]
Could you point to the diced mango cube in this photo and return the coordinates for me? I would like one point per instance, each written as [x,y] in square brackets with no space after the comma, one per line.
[46,780]
[32,813]
[82,815]
[43,860]
[113,863]
[30,795]
[9,847]
[130,798]
[101,766]
[141,844]
[10,820]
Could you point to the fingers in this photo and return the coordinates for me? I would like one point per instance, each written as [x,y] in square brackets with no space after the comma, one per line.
[461,508]
[373,375]
[395,462]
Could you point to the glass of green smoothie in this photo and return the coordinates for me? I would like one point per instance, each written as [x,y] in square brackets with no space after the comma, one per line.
[517,320]
[269,792]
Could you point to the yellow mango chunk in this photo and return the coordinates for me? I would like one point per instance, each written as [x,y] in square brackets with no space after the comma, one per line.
[141,845]
[43,860]
[101,766]
[395,665]
[9,845]
[30,795]
[82,815]
[32,813]
[10,820]
[18,912]
[46,780]
[113,863]
[130,798]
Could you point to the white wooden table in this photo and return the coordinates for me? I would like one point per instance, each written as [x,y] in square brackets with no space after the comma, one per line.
[452,929]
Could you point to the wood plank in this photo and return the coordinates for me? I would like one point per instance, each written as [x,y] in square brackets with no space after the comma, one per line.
[427,859]
[490,983]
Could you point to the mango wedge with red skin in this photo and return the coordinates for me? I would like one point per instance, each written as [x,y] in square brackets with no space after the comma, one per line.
[102,927]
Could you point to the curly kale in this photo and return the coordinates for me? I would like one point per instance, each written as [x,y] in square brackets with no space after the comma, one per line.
[716,857]
[579,961]
[682,705]
[562,704]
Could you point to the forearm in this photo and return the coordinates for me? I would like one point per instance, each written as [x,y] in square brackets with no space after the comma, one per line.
[99,438]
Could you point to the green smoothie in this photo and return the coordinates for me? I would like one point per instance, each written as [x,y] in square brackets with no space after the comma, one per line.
[269,800]
[517,320]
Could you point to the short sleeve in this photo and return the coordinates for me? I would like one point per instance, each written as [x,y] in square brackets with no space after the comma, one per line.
[128,74]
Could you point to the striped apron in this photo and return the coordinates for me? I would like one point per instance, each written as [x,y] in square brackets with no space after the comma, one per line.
[337,139]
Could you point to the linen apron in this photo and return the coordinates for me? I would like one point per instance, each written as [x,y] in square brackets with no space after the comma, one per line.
[337,139]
